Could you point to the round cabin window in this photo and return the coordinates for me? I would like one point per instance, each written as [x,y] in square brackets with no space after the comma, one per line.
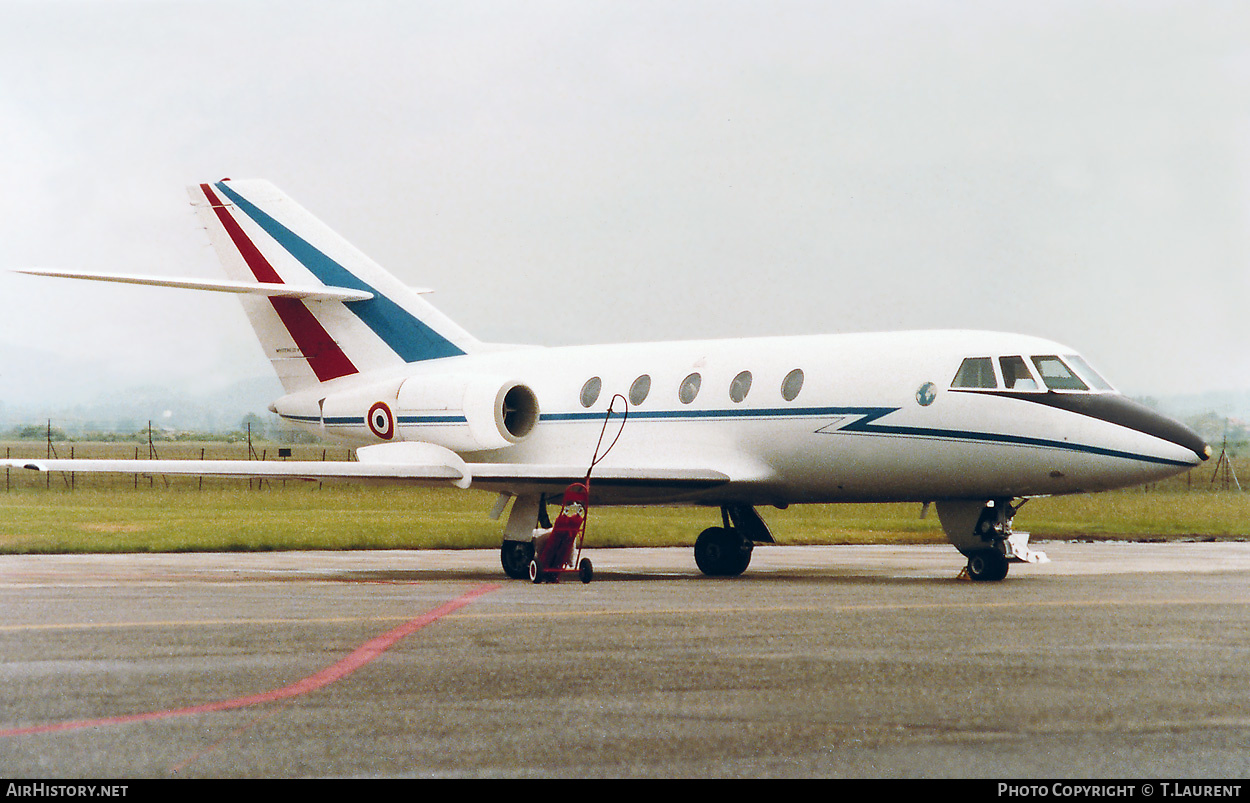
[792,384]
[689,388]
[639,390]
[590,391]
[740,386]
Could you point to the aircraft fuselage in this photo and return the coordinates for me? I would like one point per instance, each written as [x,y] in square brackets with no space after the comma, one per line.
[867,418]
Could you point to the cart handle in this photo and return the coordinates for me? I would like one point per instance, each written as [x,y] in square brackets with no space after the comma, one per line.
[607,417]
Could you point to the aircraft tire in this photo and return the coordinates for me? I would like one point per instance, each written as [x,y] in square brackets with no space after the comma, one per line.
[987,565]
[722,552]
[585,571]
[515,557]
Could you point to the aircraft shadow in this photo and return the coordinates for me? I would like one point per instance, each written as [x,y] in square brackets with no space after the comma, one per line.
[797,576]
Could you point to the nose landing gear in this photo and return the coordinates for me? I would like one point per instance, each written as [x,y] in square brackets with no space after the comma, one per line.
[983,532]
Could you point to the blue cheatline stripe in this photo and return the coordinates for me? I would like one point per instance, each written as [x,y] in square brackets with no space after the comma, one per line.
[721,415]
[302,419]
[407,335]
[864,426]
[433,419]
[359,420]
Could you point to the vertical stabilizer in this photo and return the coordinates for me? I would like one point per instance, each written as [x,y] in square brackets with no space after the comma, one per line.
[261,235]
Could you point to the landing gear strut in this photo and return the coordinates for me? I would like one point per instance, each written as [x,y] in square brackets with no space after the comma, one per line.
[518,545]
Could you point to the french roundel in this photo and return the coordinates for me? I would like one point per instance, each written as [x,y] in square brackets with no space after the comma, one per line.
[381,421]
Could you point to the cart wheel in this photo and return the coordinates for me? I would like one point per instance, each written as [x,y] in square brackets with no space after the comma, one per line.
[585,571]
[535,575]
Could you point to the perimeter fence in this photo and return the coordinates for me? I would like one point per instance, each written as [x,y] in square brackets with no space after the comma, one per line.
[155,448]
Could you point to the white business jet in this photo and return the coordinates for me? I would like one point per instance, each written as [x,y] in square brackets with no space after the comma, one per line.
[974,422]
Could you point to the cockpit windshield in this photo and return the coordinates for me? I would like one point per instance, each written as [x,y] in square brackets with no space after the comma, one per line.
[1046,372]
[1056,375]
[1016,374]
[1091,376]
[976,372]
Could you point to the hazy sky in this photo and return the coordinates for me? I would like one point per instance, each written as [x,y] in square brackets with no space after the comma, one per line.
[577,172]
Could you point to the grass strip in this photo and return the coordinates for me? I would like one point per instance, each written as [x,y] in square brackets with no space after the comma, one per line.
[184,518]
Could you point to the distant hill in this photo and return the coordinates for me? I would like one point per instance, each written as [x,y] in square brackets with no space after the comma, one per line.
[1227,403]
[131,409]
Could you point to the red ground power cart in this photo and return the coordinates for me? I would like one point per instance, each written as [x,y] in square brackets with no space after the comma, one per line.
[560,551]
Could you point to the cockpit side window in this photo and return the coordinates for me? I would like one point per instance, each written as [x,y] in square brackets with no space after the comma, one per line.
[1087,373]
[975,372]
[1016,374]
[1056,375]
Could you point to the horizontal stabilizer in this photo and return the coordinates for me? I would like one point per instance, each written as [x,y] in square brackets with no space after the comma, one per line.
[272,289]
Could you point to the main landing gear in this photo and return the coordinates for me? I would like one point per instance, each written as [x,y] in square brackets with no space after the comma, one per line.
[528,516]
[516,557]
[725,551]
[983,532]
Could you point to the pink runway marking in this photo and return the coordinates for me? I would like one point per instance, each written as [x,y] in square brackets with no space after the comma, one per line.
[359,657]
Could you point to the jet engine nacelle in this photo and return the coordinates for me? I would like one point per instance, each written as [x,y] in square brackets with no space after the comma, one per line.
[466,414]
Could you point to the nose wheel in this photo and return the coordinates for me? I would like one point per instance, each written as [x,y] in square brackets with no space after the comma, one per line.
[987,565]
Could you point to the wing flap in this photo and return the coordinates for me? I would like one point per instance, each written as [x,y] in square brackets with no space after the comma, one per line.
[608,486]
[563,475]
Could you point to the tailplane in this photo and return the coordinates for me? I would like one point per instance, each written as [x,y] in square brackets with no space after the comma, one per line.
[366,319]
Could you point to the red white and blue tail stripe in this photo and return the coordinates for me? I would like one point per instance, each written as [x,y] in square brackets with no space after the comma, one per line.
[261,235]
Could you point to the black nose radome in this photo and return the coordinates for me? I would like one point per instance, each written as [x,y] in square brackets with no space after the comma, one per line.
[1124,412]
